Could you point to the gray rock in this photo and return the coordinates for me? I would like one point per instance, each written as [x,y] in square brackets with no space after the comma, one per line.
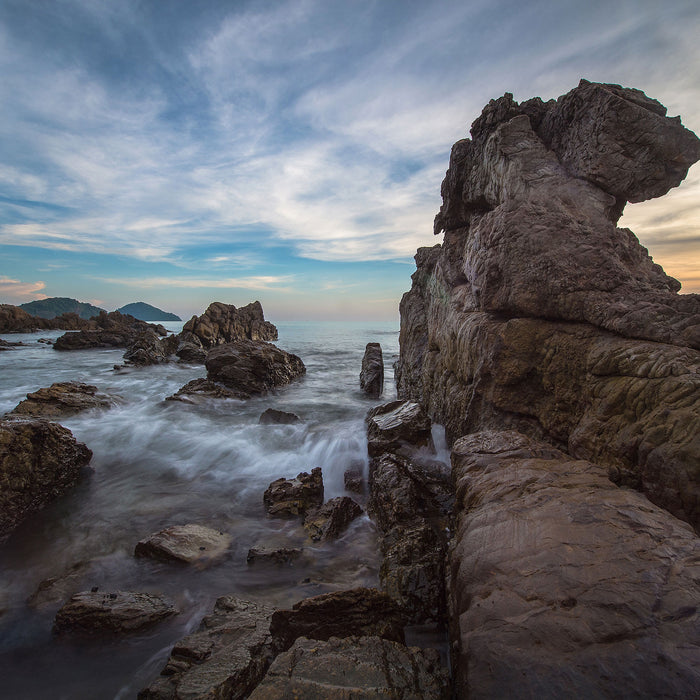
[61,400]
[372,373]
[330,520]
[149,349]
[354,480]
[271,416]
[395,425]
[274,555]
[190,544]
[201,390]
[291,497]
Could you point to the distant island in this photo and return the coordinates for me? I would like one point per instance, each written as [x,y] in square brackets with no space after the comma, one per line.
[146,312]
[55,306]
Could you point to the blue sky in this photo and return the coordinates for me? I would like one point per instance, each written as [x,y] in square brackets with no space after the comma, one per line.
[181,152]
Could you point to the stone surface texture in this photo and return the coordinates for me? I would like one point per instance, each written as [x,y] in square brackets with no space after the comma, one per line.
[200,390]
[396,424]
[150,349]
[563,584]
[355,668]
[190,544]
[39,461]
[329,521]
[119,612]
[224,323]
[537,313]
[293,497]
[372,372]
[273,416]
[16,320]
[61,400]
[107,330]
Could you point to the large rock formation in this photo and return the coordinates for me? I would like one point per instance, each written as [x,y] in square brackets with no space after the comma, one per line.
[224,323]
[107,330]
[61,400]
[39,461]
[13,319]
[538,313]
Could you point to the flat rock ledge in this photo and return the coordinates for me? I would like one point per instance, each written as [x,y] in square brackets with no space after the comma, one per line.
[119,612]
[189,544]
[199,391]
[61,400]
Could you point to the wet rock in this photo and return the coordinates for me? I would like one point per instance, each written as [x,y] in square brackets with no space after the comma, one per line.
[57,589]
[224,323]
[330,520]
[190,349]
[354,481]
[274,555]
[252,367]
[558,576]
[119,612]
[273,416]
[190,544]
[201,390]
[149,349]
[61,400]
[289,497]
[356,667]
[538,314]
[372,374]
[395,425]
[360,611]
[7,345]
[39,461]
[226,657]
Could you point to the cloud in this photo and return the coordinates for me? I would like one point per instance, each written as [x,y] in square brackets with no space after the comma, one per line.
[263,282]
[16,292]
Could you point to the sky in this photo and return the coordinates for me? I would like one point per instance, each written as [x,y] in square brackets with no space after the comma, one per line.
[180,152]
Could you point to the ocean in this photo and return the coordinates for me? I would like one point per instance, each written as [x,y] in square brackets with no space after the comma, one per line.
[158,463]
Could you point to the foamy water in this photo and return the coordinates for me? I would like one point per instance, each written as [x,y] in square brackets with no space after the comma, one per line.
[159,463]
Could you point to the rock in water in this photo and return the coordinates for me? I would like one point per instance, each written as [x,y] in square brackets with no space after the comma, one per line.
[538,313]
[61,400]
[199,390]
[289,497]
[395,425]
[118,612]
[563,584]
[189,544]
[372,374]
[224,323]
[252,366]
[330,520]
[39,461]
[149,349]
[271,416]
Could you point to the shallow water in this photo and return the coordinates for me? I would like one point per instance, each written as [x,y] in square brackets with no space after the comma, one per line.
[160,463]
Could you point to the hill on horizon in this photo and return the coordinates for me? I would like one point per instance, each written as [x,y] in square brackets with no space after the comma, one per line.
[55,306]
[145,312]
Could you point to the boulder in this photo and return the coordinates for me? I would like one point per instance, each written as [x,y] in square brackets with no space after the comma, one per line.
[538,314]
[274,555]
[562,583]
[354,480]
[224,323]
[360,612]
[252,367]
[355,667]
[330,520]
[61,400]
[271,416]
[225,658]
[189,544]
[200,390]
[149,349]
[190,349]
[372,374]
[39,461]
[117,613]
[290,497]
[395,425]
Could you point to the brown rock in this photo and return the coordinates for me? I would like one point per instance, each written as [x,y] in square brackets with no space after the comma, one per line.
[395,425]
[354,480]
[190,544]
[39,461]
[200,390]
[61,400]
[564,582]
[330,520]
[190,348]
[289,497]
[224,323]
[271,416]
[149,349]
[274,555]
[16,320]
[118,612]
[372,374]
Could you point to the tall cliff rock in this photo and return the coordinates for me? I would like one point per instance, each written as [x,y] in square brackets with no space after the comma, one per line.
[537,313]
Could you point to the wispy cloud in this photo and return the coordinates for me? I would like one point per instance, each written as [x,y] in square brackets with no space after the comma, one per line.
[17,292]
[278,283]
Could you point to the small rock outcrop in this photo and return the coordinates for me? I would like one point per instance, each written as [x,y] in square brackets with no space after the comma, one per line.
[120,612]
[272,416]
[537,313]
[61,400]
[13,319]
[189,544]
[148,348]
[107,330]
[354,481]
[190,349]
[273,555]
[39,461]
[201,390]
[394,425]
[224,323]
[372,373]
[293,497]
[330,520]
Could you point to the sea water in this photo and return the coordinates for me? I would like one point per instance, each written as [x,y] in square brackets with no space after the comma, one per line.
[158,463]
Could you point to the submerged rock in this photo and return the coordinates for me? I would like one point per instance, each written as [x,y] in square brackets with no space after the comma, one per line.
[39,461]
[271,416]
[61,400]
[190,544]
[274,555]
[372,374]
[118,612]
[290,497]
[200,390]
[330,520]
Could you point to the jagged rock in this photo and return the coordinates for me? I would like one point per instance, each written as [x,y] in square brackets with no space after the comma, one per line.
[39,461]
[372,374]
[537,313]
[118,612]
[563,583]
[271,416]
[274,555]
[16,320]
[190,348]
[356,667]
[190,544]
[354,480]
[289,497]
[252,366]
[225,658]
[357,612]
[395,425]
[199,390]
[61,400]
[224,323]
[107,330]
[330,520]
[149,349]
